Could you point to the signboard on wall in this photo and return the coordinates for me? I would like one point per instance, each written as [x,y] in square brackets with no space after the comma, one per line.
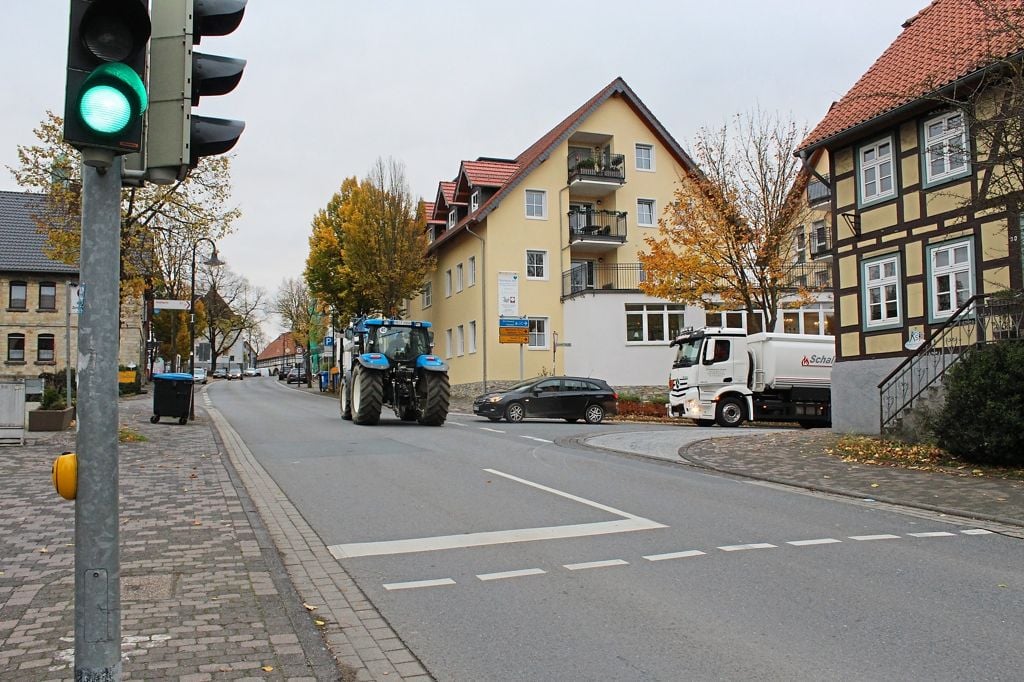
[508,294]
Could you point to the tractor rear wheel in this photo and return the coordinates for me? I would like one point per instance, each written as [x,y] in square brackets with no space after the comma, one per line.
[435,394]
[367,395]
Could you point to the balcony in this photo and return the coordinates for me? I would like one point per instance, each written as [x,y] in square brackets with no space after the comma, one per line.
[597,278]
[812,276]
[595,175]
[818,192]
[596,231]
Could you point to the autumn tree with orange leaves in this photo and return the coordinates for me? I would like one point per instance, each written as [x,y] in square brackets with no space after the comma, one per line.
[726,240]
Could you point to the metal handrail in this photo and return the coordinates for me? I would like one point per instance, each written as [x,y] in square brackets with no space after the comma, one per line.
[984,318]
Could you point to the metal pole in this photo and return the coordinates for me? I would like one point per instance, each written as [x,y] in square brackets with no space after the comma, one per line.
[521,377]
[97,559]
[192,335]
[67,343]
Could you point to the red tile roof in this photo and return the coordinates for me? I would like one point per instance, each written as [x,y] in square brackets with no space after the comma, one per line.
[486,173]
[944,42]
[282,346]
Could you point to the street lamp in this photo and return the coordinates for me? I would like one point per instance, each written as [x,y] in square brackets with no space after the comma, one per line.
[212,261]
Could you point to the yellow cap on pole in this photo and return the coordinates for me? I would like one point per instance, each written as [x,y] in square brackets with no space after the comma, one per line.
[65,475]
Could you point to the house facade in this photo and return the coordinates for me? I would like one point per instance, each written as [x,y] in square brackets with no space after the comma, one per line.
[280,355]
[537,256]
[911,238]
[38,314]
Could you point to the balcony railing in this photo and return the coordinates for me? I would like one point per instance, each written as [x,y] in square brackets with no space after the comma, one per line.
[599,167]
[595,277]
[597,225]
[813,276]
[817,192]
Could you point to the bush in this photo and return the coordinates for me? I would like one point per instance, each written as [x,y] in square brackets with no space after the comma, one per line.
[635,408]
[982,420]
[52,400]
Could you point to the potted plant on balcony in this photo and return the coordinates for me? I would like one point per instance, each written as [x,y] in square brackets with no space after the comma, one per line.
[586,163]
[53,414]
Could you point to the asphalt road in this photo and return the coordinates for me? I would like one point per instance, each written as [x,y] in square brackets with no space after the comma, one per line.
[501,551]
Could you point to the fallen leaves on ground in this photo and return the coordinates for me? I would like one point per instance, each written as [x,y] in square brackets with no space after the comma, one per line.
[916,456]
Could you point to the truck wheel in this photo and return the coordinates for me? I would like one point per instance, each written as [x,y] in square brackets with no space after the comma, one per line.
[367,395]
[594,414]
[730,412]
[435,394]
[345,398]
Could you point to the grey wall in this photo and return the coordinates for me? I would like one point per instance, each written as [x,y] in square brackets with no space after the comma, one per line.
[855,401]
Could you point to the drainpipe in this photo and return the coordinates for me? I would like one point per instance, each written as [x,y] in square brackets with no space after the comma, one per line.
[483,301]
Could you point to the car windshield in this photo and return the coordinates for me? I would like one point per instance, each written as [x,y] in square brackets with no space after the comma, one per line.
[689,351]
[523,386]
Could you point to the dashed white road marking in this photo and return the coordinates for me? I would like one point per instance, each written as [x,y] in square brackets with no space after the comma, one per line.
[976,531]
[819,541]
[413,584]
[539,440]
[511,574]
[938,534]
[484,428]
[740,548]
[864,538]
[675,555]
[596,564]
[626,523]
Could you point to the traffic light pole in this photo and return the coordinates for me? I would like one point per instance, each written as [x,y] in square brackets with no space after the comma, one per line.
[97,551]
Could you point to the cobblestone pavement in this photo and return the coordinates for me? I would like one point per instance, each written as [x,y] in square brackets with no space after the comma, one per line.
[206,594]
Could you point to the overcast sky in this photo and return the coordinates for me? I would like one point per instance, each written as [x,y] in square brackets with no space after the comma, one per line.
[331,85]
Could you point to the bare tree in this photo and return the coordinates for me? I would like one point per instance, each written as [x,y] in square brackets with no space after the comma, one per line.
[301,315]
[727,236]
[233,308]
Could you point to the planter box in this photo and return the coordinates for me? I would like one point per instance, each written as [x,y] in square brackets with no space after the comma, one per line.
[50,420]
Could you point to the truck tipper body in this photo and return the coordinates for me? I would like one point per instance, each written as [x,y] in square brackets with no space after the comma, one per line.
[726,377]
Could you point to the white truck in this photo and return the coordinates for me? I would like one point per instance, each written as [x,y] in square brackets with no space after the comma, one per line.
[728,377]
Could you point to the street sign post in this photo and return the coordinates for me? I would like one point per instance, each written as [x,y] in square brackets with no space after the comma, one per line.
[513,330]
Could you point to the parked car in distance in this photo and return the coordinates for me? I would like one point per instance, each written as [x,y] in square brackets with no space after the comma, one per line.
[235,373]
[282,373]
[296,375]
[199,376]
[251,372]
[568,398]
[220,373]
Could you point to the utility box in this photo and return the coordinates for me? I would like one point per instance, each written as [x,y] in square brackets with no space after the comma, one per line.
[172,396]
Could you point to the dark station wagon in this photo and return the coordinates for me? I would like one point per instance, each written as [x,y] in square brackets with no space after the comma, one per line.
[568,398]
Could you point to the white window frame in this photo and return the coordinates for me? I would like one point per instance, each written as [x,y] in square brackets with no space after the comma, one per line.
[474,200]
[800,246]
[460,340]
[949,272]
[543,265]
[648,309]
[447,283]
[882,282]
[876,165]
[949,143]
[654,212]
[818,237]
[453,217]
[472,336]
[472,272]
[538,333]
[428,294]
[530,208]
[458,278]
[448,343]
[649,148]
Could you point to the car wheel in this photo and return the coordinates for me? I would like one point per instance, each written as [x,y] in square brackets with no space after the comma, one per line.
[594,414]
[515,413]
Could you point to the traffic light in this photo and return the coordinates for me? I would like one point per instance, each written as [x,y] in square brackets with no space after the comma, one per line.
[176,139]
[105,94]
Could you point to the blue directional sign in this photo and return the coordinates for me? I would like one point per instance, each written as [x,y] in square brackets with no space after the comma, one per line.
[514,323]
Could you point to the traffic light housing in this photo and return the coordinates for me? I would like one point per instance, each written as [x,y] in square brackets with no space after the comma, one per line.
[105,93]
[176,139]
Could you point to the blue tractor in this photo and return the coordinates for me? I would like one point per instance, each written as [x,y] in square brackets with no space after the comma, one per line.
[392,365]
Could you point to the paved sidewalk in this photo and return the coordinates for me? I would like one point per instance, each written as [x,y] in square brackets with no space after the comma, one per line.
[206,593]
